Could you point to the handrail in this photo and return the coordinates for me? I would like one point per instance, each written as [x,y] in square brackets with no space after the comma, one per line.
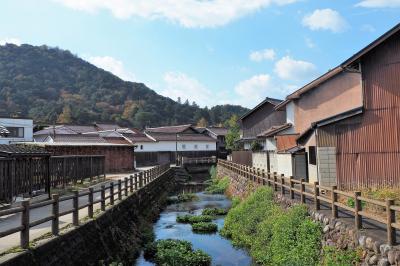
[312,193]
[121,189]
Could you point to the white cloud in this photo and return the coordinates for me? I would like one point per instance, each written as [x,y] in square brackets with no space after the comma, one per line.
[379,3]
[290,69]
[325,19]
[178,84]
[113,65]
[266,54]
[188,13]
[6,40]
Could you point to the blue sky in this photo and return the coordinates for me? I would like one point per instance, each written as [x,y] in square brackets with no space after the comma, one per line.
[212,52]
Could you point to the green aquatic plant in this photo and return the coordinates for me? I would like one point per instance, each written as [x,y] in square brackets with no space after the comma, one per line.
[182,198]
[204,227]
[214,211]
[174,252]
[191,219]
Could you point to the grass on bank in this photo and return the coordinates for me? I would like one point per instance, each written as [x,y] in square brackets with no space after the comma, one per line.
[216,185]
[173,252]
[272,235]
[332,256]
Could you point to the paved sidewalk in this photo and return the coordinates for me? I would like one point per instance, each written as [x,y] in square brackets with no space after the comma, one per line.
[14,220]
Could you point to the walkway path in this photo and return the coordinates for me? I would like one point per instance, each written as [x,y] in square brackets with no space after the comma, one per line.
[10,221]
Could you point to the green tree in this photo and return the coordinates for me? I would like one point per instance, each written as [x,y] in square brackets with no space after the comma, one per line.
[233,135]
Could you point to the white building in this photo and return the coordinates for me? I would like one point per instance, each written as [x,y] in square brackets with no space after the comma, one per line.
[17,130]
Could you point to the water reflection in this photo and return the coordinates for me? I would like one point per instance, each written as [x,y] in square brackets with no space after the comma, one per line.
[220,249]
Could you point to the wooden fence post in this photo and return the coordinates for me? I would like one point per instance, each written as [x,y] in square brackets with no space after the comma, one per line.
[263,177]
[334,200]
[112,193]
[302,189]
[357,209]
[126,187]
[75,213]
[103,198]
[291,184]
[119,189]
[136,182]
[56,212]
[140,179]
[24,235]
[131,183]
[275,181]
[90,206]
[390,218]
[317,204]
[282,184]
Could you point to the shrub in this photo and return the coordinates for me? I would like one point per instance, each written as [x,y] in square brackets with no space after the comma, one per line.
[204,227]
[333,256]
[214,211]
[213,172]
[191,219]
[218,186]
[274,236]
[173,252]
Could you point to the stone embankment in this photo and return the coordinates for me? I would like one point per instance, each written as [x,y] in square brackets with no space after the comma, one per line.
[115,235]
[335,232]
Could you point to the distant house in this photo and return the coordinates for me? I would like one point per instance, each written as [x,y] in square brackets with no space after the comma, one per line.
[90,140]
[15,130]
[218,133]
[167,144]
[261,119]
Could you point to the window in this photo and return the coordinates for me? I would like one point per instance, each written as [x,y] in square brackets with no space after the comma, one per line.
[183,146]
[312,155]
[195,146]
[141,147]
[207,146]
[16,132]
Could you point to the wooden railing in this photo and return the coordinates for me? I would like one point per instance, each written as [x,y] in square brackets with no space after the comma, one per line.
[199,160]
[115,191]
[312,193]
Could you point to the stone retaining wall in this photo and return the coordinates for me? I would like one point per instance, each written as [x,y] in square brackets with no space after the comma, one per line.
[335,232]
[115,235]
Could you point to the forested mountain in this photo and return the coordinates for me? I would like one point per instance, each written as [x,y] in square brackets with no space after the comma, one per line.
[52,85]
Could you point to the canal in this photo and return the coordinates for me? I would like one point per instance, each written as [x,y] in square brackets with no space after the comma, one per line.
[220,249]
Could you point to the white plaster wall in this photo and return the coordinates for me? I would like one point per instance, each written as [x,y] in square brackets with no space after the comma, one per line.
[260,160]
[27,124]
[284,162]
[273,162]
[171,146]
[270,144]
[290,113]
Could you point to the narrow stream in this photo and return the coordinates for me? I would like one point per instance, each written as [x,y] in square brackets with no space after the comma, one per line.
[219,248]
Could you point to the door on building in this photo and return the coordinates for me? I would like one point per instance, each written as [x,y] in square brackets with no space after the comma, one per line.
[300,166]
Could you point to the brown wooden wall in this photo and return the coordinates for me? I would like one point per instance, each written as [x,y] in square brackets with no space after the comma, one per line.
[118,158]
[243,157]
[368,146]
[261,120]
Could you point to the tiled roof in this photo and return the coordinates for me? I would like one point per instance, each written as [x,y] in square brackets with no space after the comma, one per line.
[56,129]
[169,129]
[181,137]
[22,150]
[138,138]
[219,131]
[272,101]
[107,126]
[79,138]
[274,130]
[116,140]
